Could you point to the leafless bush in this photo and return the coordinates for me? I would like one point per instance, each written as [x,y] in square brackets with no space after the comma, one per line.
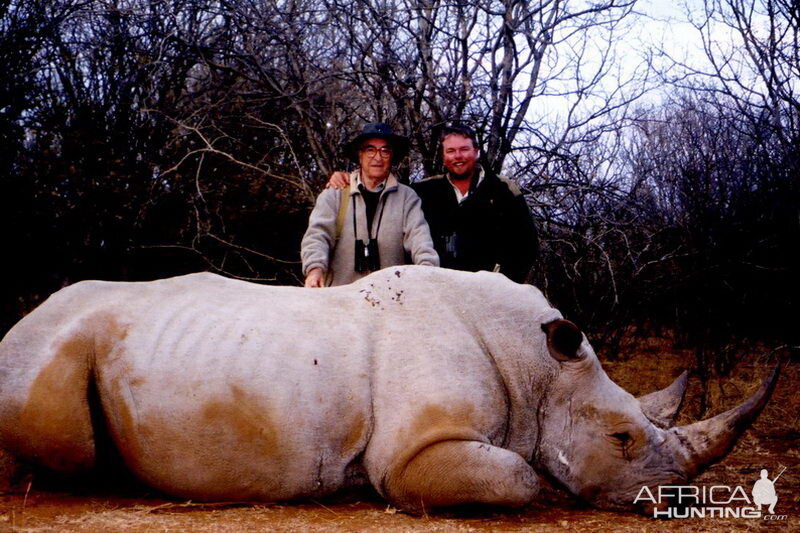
[154,138]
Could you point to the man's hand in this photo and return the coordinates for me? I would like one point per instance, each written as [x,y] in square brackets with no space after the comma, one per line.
[315,278]
[338,180]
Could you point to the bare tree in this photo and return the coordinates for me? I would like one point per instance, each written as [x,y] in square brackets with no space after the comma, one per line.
[753,60]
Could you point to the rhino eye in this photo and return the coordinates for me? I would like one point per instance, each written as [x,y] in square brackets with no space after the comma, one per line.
[623,437]
[624,441]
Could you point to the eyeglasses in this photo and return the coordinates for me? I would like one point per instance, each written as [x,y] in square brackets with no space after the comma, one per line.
[384,151]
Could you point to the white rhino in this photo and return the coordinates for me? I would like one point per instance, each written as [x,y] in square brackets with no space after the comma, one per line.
[434,386]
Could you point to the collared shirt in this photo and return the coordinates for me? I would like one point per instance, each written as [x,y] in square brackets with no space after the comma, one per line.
[459,196]
[371,199]
[361,186]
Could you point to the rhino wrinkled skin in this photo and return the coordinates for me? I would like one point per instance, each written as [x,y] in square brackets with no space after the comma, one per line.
[436,387]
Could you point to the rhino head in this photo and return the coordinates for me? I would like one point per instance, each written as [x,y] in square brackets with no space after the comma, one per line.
[603,445]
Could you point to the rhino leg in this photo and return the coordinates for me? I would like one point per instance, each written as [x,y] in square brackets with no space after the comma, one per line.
[460,471]
[45,416]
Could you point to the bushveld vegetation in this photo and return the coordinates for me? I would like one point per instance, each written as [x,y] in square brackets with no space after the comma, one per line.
[149,138]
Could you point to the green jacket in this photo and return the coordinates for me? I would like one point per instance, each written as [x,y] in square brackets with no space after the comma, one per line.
[491,229]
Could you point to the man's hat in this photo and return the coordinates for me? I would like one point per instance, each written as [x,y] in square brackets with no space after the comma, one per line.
[381,131]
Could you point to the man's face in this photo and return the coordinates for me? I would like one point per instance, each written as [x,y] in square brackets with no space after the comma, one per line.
[460,156]
[375,158]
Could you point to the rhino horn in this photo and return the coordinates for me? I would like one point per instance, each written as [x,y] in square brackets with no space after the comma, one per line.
[662,406]
[709,440]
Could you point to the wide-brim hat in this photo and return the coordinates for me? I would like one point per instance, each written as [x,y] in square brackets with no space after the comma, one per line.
[378,130]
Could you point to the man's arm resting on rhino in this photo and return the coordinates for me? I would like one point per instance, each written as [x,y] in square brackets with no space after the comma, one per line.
[315,278]
[318,241]
[454,472]
[417,239]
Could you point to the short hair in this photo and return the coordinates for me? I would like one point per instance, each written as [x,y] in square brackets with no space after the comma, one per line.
[461,130]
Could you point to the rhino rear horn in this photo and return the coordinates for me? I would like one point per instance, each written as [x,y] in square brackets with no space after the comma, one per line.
[662,407]
[563,340]
[710,440]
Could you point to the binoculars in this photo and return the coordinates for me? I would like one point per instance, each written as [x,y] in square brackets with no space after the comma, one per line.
[367,256]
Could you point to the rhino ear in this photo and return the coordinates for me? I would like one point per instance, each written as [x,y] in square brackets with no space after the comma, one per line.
[563,340]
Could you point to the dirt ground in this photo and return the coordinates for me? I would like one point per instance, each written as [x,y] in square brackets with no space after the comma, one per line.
[771,443]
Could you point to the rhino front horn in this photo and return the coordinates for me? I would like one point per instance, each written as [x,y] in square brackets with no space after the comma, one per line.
[661,407]
[710,440]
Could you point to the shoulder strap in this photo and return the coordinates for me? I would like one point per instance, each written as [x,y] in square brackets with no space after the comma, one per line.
[343,203]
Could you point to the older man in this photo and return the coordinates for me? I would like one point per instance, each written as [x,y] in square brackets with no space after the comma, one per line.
[478,220]
[375,223]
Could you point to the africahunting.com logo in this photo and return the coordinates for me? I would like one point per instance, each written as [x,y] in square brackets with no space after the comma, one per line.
[717,501]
